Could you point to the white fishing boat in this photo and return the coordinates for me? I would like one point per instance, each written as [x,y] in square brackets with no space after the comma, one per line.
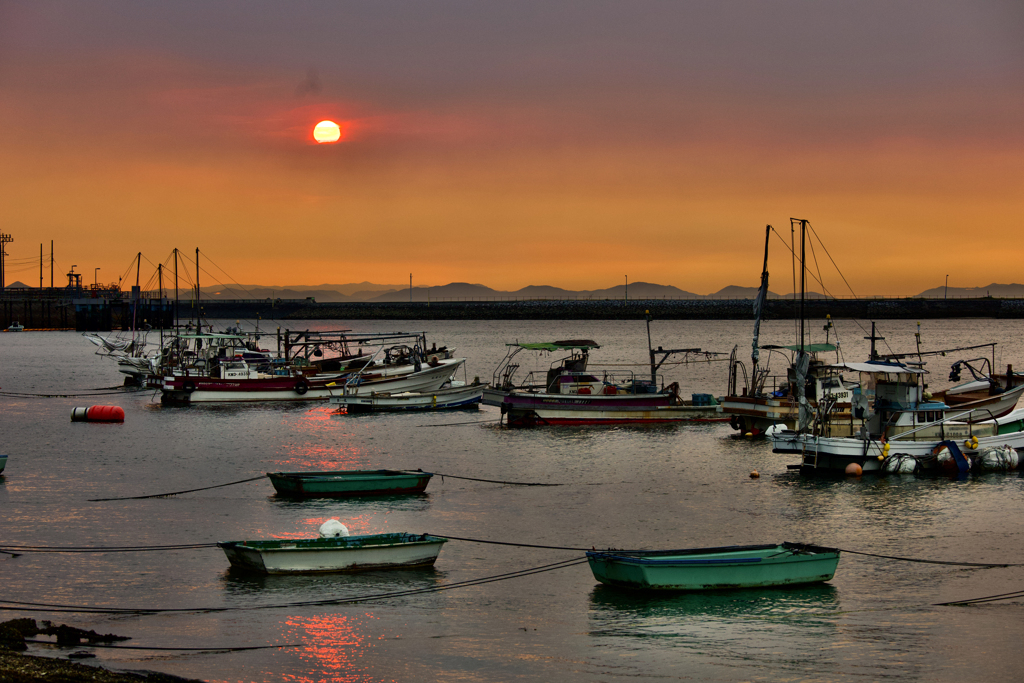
[901,428]
[571,393]
[15,326]
[343,554]
[458,395]
[233,374]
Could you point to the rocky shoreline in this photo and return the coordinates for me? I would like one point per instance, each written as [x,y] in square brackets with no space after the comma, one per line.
[17,667]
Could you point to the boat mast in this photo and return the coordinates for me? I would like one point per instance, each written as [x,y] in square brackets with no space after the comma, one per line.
[160,281]
[136,294]
[175,290]
[197,290]
[803,360]
[803,274]
[759,302]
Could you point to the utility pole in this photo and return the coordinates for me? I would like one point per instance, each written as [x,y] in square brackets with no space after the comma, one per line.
[627,288]
[945,290]
[51,264]
[4,239]
[410,287]
[40,267]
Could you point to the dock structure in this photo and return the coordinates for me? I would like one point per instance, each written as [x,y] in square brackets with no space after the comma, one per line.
[104,310]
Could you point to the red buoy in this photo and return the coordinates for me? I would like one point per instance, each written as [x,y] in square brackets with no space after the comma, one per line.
[98,414]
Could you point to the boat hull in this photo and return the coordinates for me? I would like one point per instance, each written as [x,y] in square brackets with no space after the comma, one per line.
[328,555]
[442,399]
[715,568]
[350,483]
[202,389]
[3,463]
[530,409]
[835,454]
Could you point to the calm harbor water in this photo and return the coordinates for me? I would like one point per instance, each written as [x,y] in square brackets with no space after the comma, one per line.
[675,486]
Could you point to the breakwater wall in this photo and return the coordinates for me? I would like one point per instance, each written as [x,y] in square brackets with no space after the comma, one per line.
[605,309]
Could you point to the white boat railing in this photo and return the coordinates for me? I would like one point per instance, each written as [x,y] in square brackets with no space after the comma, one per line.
[933,424]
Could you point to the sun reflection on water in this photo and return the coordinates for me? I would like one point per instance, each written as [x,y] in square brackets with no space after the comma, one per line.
[335,647]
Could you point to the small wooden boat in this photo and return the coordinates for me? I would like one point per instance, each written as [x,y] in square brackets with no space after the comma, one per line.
[345,554]
[701,569]
[463,396]
[345,483]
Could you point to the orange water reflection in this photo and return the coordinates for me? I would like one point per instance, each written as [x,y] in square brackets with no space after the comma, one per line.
[313,454]
[334,650]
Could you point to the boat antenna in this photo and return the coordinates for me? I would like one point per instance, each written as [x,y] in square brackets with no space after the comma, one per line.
[874,353]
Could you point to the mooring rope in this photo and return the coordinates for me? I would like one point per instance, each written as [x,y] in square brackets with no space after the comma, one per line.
[988,598]
[913,559]
[171,649]
[174,493]
[263,476]
[56,607]
[520,545]
[22,549]
[492,481]
[460,424]
[21,394]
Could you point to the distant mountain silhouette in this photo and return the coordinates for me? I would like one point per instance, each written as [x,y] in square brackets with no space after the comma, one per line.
[464,291]
[1012,291]
[363,291]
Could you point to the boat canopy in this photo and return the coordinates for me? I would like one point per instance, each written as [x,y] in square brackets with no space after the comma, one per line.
[566,345]
[809,348]
[881,366]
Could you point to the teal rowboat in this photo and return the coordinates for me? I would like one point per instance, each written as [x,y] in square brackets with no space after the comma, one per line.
[700,569]
[345,483]
[345,554]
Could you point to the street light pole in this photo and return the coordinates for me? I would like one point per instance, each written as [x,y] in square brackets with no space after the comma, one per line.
[95,280]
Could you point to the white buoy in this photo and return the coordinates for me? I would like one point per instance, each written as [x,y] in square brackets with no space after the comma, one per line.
[332,528]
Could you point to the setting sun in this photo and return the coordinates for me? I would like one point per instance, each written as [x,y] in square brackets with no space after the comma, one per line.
[327,131]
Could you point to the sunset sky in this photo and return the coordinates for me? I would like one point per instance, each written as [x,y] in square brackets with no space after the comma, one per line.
[513,143]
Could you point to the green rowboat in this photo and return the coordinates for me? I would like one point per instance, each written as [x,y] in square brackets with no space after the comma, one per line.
[701,569]
[345,483]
